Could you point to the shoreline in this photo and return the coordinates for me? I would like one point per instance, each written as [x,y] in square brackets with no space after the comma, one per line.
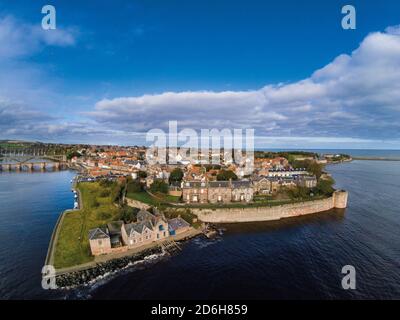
[192,233]
[73,277]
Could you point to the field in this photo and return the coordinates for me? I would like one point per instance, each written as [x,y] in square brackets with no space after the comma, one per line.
[72,247]
[156,200]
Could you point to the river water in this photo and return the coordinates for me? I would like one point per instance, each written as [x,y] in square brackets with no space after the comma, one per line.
[299,258]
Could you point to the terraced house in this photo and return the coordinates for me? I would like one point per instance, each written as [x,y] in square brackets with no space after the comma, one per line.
[148,228]
[217,191]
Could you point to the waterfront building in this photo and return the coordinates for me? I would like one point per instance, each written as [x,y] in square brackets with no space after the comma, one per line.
[262,185]
[217,191]
[148,228]
[99,240]
[307,181]
[242,191]
[177,226]
[195,192]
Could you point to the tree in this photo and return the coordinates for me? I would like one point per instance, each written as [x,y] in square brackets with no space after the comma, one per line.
[134,186]
[298,193]
[73,154]
[128,214]
[176,175]
[225,175]
[142,174]
[311,166]
[159,186]
[325,186]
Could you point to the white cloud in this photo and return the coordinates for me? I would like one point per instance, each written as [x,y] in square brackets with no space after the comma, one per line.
[356,96]
[19,39]
[355,99]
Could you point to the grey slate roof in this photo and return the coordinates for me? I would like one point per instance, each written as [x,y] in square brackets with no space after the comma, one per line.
[177,223]
[194,184]
[241,184]
[219,184]
[138,227]
[143,215]
[98,233]
[114,227]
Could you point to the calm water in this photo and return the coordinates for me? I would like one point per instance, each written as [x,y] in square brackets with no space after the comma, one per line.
[295,258]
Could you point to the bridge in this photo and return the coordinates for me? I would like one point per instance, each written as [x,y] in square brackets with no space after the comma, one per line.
[19,160]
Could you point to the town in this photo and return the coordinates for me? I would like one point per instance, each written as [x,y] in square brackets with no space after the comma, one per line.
[275,178]
[126,203]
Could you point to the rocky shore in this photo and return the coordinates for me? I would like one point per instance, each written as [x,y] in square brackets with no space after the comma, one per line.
[79,278]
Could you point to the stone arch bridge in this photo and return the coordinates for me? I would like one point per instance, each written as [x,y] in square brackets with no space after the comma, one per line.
[35,160]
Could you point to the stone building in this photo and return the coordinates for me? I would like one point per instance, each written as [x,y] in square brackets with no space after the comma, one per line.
[195,192]
[242,191]
[262,185]
[219,191]
[148,228]
[307,181]
[177,226]
[99,240]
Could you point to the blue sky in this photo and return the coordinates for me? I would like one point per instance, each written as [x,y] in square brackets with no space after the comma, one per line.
[115,69]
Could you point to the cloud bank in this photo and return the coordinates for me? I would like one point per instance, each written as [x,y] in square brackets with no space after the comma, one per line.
[353,101]
[355,96]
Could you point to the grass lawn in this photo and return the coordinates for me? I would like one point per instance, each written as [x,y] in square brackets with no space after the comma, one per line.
[157,200]
[143,197]
[72,247]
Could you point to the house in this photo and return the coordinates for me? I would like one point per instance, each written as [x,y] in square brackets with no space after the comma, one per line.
[114,230]
[287,172]
[194,192]
[307,181]
[219,191]
[262,185]
[100,241]
[242,190]
[148,228]
[177,226]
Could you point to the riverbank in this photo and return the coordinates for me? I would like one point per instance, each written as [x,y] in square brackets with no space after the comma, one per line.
[377,158]
[56,230]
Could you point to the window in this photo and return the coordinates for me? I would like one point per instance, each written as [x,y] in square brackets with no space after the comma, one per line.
[100,242]
[158,236]
[164,233]
[131,241]
[160,227]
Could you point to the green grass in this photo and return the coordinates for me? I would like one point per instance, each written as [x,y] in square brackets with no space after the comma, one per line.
[158,199]
[143,197]
[72,247]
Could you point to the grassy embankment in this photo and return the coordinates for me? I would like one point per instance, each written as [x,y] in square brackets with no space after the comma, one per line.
[72,247]
[159,199]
